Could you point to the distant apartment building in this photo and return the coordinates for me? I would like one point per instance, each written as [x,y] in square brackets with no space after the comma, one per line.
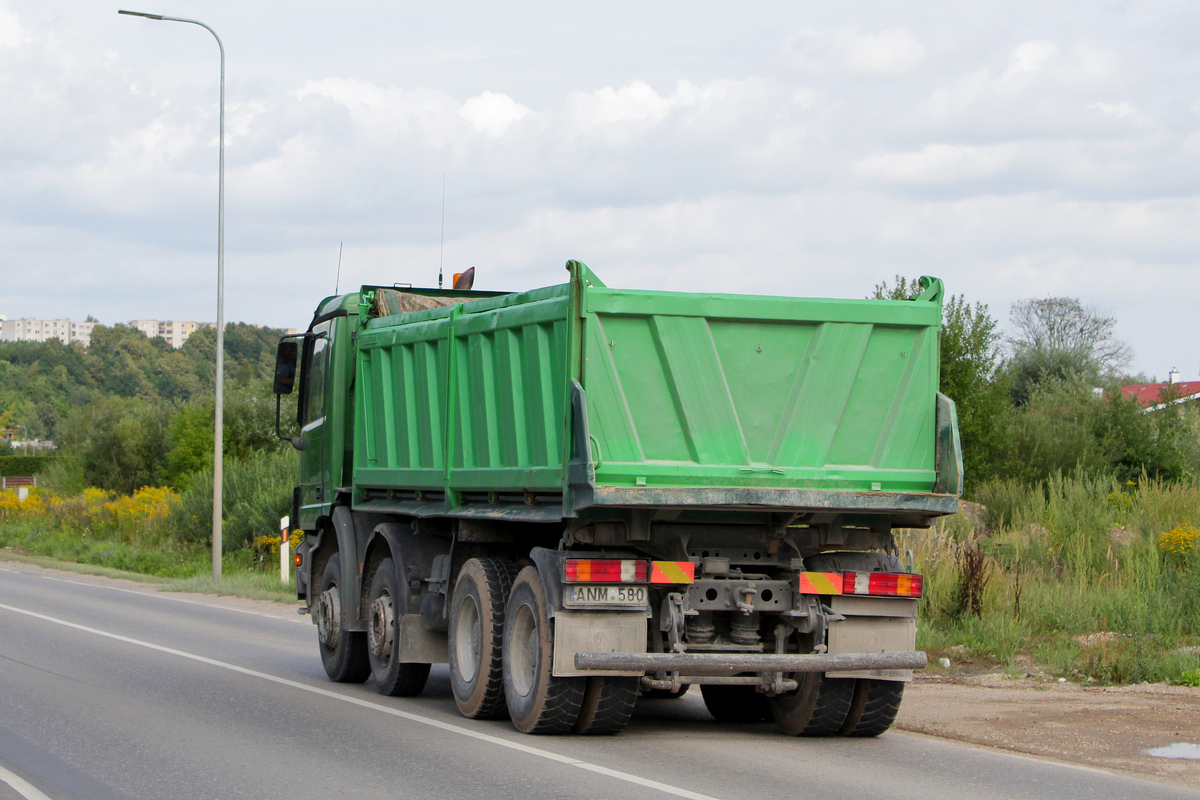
[39,330]
[174,331]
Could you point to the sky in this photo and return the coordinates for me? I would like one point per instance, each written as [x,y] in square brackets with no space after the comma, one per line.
[1015,150]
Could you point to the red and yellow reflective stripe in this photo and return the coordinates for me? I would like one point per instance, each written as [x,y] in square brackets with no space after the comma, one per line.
[820,583]
[672,572]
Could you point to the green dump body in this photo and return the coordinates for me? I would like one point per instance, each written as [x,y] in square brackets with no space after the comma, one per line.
[559,401]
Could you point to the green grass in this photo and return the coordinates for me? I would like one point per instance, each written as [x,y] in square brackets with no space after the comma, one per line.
[1065,560]
[251,585]
[159,557]
[14,554]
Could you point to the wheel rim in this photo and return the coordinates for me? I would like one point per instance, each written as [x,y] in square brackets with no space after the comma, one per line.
[523,661]
[329,615]
[468,639]
[381,631]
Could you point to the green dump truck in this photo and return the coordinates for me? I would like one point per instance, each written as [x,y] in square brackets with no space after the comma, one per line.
[577,495]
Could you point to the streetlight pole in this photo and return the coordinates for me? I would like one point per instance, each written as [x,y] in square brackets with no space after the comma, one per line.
[219,425]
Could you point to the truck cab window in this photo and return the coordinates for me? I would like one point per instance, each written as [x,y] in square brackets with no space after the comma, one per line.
[315,369]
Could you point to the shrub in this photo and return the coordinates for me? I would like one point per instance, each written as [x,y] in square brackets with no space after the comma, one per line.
[257,492]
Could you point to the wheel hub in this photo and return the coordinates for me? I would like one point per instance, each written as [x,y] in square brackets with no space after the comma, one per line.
[524,651]
[468,639]
[381,633]
[329,617]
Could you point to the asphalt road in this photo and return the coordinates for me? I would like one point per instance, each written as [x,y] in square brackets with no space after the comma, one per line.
[112,693]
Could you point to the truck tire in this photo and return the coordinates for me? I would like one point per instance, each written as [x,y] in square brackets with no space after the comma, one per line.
[820,706]
[875,706]
[734,704]
[538,702]
[477,637]
[387,603]
[608,703]
[343,652]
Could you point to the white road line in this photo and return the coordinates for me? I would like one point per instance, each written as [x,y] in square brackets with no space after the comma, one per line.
[158,594]
[23,787]
[395,712]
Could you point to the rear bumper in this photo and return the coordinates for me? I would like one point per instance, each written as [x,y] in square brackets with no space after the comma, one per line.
[905,509]
[720,663]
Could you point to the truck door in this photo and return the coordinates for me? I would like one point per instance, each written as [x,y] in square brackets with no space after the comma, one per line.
[315,484]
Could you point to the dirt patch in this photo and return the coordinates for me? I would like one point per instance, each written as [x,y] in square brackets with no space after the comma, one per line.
[1109,728]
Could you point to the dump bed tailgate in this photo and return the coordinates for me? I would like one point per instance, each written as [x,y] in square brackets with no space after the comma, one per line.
[744,391]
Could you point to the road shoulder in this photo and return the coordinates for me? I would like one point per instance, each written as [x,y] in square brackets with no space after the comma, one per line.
[1108,728]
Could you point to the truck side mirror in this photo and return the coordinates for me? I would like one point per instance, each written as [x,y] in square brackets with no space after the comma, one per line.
[285,367]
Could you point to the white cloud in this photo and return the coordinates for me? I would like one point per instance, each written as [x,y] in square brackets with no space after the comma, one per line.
[493,113]
[888,53]
[1043,90]
[937,163]
[1115,110]
[12,34]
[1029,58]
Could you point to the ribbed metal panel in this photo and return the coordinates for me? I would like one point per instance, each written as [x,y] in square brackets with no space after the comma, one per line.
[752,391]
[682,390]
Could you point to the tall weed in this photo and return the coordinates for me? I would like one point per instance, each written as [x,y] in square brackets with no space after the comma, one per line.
[1097,579]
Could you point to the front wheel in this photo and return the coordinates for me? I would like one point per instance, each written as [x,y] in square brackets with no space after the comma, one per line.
[343,652]
[538,702]
[387,606]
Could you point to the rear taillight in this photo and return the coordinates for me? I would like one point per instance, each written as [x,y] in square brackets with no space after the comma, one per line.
[605,570]
[872,584]
[882,584]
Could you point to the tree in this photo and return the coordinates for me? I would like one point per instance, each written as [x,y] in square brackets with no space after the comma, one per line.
[121,444]
[1060,339]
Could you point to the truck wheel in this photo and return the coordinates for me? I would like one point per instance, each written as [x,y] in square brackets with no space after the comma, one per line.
[343,652]
[820,706]
[875,706]
[607,705]
[537,701]
[477,637]
[387,605]
[734,704]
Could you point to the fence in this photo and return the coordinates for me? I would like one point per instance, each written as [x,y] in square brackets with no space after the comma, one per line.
[16,482]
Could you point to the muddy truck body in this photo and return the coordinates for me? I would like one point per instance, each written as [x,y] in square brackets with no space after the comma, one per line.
[578,495]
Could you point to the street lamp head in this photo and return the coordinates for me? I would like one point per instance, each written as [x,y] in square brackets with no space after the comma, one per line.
[141,14]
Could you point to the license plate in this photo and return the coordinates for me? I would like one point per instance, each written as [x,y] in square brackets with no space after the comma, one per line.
[614,596]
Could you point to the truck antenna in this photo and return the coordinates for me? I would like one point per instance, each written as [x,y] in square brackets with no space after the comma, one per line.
[442,247]
[338,281]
